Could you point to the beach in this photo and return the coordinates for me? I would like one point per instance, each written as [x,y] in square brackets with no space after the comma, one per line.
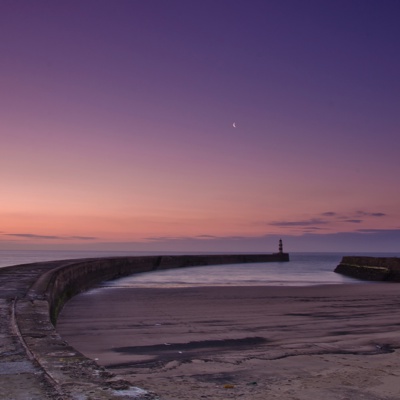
[251,343]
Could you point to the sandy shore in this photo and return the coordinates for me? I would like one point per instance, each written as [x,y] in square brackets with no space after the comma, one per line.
[337,342]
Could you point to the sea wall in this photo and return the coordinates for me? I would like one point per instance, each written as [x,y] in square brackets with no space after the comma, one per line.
[370,268]
[60,284]
[34,314]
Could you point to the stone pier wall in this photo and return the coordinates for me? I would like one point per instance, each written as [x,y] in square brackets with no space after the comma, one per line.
[370,268]
[32,296]
[60,284]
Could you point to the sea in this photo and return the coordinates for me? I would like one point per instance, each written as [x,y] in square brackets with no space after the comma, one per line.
[303,269]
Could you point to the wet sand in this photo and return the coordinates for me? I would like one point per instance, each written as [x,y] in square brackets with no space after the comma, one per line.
[252,343]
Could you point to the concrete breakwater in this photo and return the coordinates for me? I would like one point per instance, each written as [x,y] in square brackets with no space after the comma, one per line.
[61,284]
[370,268]
[31,297]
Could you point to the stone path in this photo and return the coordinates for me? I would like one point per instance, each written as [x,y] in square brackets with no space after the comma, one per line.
[20,375]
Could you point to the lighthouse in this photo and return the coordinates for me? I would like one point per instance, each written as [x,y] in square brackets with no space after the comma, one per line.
[281,256]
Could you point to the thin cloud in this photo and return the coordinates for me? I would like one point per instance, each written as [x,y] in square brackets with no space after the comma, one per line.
[48,237]
[366,230]
[162,238]
[307,222]
[32,236]
[329,214]
[82,237]
[353,215]
[327,218]
[188,238]
[313,229]
[206,237]
[370,214]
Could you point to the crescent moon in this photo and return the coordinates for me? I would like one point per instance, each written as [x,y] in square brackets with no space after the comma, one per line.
[234,124]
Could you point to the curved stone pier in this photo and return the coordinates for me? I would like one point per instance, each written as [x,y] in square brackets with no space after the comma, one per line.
[35,360]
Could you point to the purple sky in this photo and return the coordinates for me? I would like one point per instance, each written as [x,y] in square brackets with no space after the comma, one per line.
[116,125]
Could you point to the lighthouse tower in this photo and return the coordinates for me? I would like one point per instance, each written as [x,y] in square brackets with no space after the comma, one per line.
[280,246]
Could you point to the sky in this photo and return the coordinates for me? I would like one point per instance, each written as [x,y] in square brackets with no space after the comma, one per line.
[212,125]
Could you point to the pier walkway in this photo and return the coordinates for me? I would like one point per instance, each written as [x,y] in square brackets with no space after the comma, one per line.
[20,375]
